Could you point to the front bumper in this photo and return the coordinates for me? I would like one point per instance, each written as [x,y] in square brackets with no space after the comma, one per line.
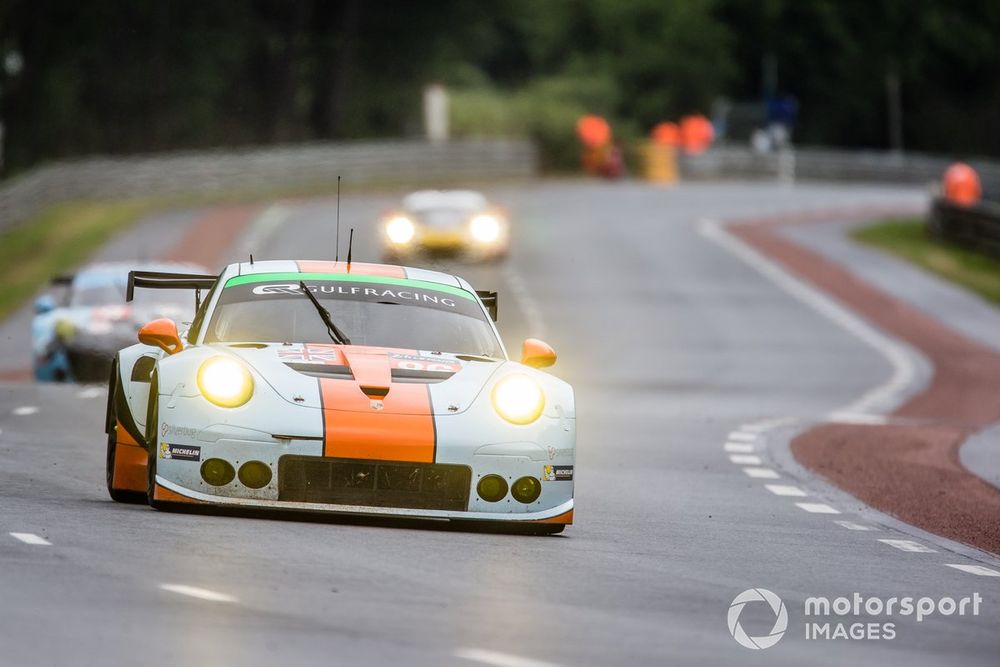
[171,492]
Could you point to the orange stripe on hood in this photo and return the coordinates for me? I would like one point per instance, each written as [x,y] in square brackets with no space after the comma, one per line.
[353,428]
[360,268]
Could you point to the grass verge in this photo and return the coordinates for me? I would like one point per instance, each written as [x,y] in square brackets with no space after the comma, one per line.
[907,238]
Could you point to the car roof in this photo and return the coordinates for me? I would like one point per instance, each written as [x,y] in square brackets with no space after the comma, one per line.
[356,268]
[427,199]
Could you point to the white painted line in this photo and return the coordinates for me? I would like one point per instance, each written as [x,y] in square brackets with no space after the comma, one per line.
[761,473]
[904,371]
[200,593]
[525,302]
[742,437]
[90,392]
[910,546]
[981,570]
[856,418]
[850,525]
[782,490]
[31,538]
[25,410]
[745,459]
[499,659]
[741,447]
[817,508]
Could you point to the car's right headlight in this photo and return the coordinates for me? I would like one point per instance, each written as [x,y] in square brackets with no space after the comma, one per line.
[400,230]
[225,382]
[518,399]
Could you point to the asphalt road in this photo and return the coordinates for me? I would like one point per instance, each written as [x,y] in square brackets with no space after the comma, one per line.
[672,341]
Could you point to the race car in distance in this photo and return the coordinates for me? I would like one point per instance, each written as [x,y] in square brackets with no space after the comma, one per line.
[76,333]
[457,223]
[329,387]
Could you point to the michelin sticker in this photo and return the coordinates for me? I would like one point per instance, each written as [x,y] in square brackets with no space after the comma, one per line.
[180,452]
[557,473]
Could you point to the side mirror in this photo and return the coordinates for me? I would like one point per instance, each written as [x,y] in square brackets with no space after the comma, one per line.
[44,304]
[537,354]
[161,333]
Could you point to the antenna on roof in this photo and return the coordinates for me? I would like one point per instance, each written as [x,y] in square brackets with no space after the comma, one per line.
[350,245]
[251,259]
[337,254]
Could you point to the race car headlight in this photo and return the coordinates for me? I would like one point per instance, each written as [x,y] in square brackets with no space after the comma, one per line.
[225,382]
[518,399]
[399,230]
[485,228]
[65,330]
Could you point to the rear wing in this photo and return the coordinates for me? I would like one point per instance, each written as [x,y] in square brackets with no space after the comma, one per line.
[161,280]
[489,300]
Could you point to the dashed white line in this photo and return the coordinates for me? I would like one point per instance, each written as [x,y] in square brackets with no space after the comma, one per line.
[850,525]
[740,447]
[761,473]
[743,437]
[745,459]
[817,508]
[25,410]
[499,659]
[783,490]
[910,546]
[980,570]
[31,538]
[200,593]
[766,424]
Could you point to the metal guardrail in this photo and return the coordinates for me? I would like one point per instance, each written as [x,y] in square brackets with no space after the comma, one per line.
[827,164]
[976,227]
[301,165]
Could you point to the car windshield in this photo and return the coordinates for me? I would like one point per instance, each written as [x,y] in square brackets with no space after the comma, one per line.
[370,310]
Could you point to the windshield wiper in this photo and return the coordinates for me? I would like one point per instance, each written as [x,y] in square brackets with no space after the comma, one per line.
[336,335]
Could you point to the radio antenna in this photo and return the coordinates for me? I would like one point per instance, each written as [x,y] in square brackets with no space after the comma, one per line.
[337,254]
[350,245]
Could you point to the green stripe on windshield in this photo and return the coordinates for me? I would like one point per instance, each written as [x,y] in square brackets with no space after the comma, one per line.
[347,278]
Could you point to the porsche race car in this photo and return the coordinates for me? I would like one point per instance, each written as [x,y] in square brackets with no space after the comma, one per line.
[456,223]
[328,387]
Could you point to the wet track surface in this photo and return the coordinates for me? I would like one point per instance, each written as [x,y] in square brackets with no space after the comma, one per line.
[671,342]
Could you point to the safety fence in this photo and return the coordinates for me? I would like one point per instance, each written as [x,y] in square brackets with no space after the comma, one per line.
[976,226]
[827,164]
[266,169]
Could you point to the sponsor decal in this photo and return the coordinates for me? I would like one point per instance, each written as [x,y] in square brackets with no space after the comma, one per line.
[377,405]
[359,291]
[182,431]
[553,452]
[311,354]
[180,452]
[557,473]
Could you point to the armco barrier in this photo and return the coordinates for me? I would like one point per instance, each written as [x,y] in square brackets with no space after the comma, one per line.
[976,227]
[826,164]
[207,172]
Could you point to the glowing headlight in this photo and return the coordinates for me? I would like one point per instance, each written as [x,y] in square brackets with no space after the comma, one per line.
[225,382]
[485,228]
[518,399]
[399,230]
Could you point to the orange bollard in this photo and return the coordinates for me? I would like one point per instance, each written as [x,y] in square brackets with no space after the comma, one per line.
[960,185]
[697,134]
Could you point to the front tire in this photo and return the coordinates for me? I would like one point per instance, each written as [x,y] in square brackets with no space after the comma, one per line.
[111,426]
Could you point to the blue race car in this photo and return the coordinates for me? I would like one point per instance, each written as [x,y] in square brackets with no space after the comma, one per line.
[78,328]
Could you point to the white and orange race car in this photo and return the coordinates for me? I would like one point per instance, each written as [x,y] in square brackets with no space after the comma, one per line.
[327,387]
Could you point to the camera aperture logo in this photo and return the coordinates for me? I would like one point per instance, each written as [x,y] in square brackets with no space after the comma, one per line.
[780,618]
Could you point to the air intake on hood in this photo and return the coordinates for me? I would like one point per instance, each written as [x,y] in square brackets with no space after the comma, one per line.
[401,375]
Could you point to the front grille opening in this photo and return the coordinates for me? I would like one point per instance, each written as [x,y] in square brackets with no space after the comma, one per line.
[401,375]
[400,484]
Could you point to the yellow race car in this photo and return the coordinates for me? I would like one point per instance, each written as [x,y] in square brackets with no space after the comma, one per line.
[454,223]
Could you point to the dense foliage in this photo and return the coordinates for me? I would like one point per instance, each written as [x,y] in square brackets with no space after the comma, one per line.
[112,76]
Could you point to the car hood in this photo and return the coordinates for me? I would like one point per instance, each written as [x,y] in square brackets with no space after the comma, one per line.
[358,378]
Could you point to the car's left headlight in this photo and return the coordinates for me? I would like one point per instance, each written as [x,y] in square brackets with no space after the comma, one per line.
[225,382]
[518,399]
[485,228]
